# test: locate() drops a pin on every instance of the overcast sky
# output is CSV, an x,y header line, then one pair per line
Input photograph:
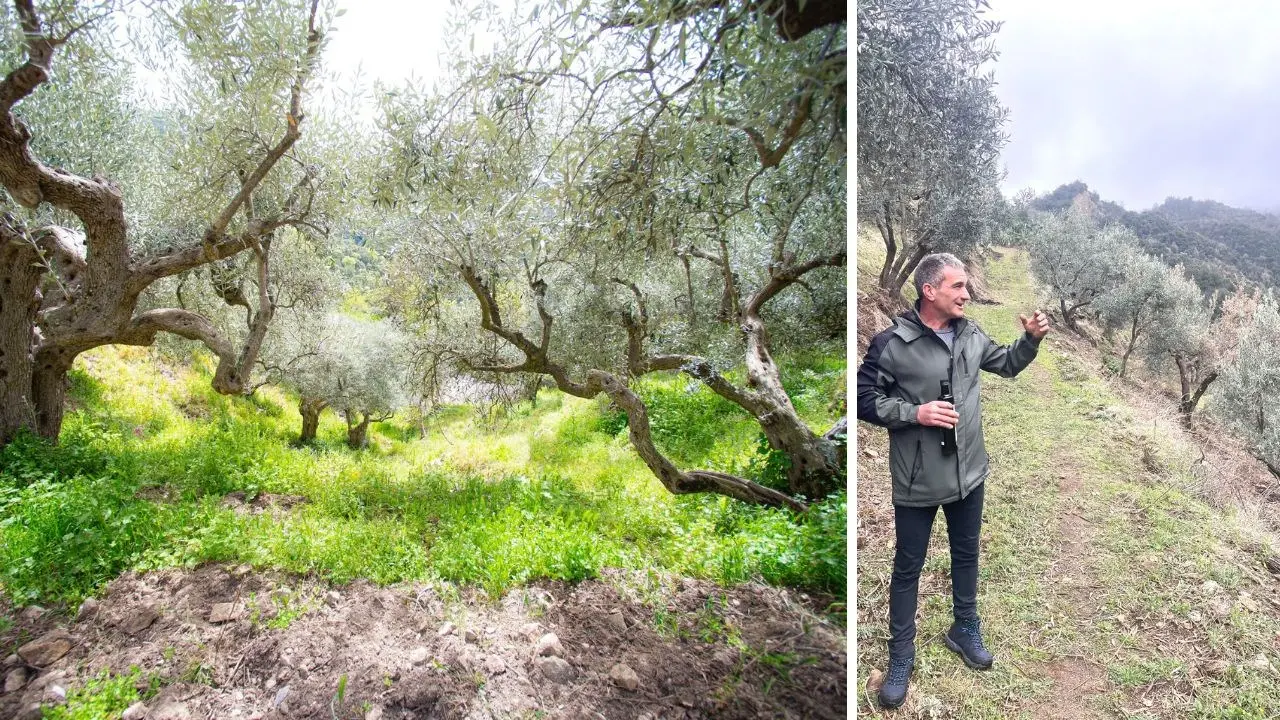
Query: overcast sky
x,y
1143,99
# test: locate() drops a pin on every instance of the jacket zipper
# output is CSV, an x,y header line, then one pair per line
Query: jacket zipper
x,y
955,394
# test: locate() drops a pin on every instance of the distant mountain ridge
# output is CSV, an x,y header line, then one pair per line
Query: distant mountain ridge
x,y
1218,244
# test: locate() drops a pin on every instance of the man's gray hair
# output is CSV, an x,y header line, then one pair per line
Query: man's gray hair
x,y
929,271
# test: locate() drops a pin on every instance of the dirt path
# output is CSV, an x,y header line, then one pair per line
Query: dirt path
x,y
229,643
1074,587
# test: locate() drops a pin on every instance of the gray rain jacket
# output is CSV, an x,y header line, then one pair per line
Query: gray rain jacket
x,y
902,370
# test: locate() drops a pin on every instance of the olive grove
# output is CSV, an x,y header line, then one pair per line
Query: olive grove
x,y
634,190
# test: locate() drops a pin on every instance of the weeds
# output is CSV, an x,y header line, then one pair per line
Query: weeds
x,y
551,494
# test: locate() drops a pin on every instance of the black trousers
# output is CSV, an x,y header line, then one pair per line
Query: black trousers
x,y
912,526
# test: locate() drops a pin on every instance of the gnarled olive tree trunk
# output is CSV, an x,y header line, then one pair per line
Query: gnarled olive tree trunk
x,y
310,409
63,292
357,429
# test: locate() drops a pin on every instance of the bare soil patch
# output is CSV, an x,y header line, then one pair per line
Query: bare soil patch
x,y
234,643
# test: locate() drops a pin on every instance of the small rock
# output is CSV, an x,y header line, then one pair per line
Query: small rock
x,y
1220,606
418,656
549,645
334,597
556,669
871,453
88,609
136,711
12,659
725,657
31,711
494,665
616,622
529,631
1246,600
281,695
1260,662
222,612
1210,587
169,709
55,694
469,635
46,649
624,677
445,629
31,613
138,621
1195,616
875,679
373,713
15,680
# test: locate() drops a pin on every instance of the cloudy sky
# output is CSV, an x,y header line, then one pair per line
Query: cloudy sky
x,y
1143,99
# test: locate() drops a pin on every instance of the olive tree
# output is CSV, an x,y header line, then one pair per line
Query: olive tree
x,y
633,190
332,360
1146,302
96,213
1078,261
1201,336
929,129
1249,385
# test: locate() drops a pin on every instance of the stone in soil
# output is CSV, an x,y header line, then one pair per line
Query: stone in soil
x,y
54,695
46,649
169,709
138,621
616,622
556,669
15,680
136,711
469,635
549,645
88,609
12,659
494,665
624,677
31,613
222,612
445,629
418,655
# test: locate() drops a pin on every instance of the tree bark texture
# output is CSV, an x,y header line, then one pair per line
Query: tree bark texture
x,y
310,409
357,430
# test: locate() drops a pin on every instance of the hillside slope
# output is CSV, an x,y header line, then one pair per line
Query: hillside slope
x,y
1216,243
230,574
1111,585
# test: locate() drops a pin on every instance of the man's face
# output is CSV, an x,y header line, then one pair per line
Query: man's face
x,y
948,298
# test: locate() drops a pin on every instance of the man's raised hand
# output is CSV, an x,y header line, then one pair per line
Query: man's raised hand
x,y
1037,326
937,414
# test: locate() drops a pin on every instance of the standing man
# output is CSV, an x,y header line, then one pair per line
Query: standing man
x,y
899,386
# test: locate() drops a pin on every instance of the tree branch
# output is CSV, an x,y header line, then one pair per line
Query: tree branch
x,y
787,277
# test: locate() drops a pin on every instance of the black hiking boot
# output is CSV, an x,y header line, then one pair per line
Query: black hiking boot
x,y
965,640
893,691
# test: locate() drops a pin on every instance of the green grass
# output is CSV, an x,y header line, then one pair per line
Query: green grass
x,y
103,696
149,451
